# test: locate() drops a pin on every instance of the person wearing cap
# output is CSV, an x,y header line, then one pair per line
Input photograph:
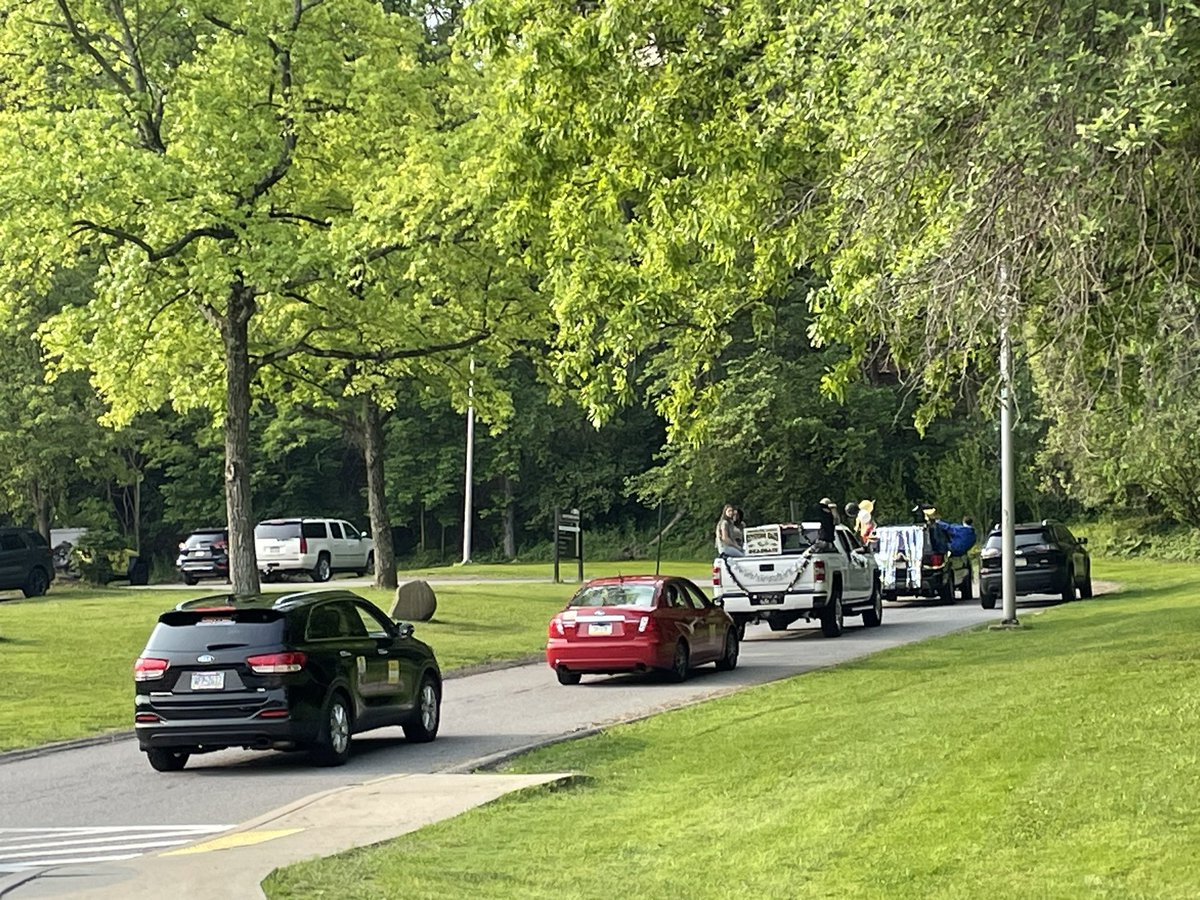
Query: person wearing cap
x,y
865,520
827,516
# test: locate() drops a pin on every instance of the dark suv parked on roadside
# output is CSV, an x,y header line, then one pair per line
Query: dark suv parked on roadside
x,y
26,562
1049,560
204,554
301,671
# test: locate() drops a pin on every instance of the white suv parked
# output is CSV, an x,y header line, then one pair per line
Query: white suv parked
x,y
317,547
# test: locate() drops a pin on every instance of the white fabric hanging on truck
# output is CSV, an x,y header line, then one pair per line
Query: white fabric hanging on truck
x,y
897,539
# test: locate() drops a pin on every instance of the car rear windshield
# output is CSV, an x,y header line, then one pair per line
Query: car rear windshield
x,y
1023,539
210,629
615,595
277,531
204,538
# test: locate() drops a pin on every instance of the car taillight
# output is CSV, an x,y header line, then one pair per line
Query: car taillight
x,y
716,576
647,625
935,560
303,544
556,627
220,545
276,663
818,570
147,668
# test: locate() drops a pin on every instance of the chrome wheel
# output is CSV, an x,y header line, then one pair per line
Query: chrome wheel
x,y
339,728
422,725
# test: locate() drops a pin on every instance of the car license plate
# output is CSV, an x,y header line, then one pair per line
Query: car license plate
x,y
769,599
600,628
1021,561
208,681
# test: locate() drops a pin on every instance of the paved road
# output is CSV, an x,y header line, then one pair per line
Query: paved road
x,y
484,714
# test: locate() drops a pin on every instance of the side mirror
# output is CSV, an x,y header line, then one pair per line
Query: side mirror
x,y
404,629
1083,542
719,602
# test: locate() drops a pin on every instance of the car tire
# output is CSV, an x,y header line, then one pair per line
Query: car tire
x,y
423,726
987,599
1085,589
333,740
873,614
322,571
740,624
167,760
370,568
566,676
37,583
680,663
729,658
1068,591
190,580
833,620
966,590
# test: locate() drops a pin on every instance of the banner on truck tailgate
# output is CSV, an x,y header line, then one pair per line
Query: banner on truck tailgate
x,y
763,540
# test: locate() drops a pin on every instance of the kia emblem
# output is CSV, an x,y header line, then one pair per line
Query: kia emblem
x,y
206,658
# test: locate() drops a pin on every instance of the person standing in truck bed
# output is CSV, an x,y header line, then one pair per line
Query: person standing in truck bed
x,y
728,535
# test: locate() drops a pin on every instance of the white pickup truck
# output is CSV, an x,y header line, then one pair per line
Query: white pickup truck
x,y
788,573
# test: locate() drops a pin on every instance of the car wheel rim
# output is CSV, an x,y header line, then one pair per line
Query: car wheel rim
x,y
339,728
429,707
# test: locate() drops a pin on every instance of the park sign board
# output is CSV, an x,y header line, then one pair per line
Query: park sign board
x,y
568,539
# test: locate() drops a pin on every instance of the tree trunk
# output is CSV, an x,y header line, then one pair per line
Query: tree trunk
x,y
422,526
381,525
510,516
243,565
137,513
41,510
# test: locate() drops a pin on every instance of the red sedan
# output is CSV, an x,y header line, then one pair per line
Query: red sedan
x,y
639,623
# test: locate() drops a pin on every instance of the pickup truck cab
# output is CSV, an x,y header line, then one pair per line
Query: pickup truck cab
x,y
789,573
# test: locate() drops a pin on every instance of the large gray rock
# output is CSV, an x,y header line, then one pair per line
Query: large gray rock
x,y
415,602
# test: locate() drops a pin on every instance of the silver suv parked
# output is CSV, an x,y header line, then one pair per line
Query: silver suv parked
x,y
312,546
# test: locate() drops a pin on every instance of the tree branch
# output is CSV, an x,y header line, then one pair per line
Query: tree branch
x,y
217,232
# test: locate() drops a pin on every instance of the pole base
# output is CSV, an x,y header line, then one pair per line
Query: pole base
x,y
1006,625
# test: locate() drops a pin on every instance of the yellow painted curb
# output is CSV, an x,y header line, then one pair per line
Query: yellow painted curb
x,y
231,841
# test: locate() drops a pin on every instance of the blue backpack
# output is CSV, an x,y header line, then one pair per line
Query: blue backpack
x,y
962,538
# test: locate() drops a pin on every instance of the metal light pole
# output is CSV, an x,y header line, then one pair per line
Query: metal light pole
x,y
1008,571
467,491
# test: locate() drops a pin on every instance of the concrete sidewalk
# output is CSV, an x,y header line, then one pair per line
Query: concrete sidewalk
x,y
233,864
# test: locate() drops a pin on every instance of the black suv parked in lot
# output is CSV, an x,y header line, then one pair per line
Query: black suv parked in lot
x,y
1049,560
26,562
290,672
204,554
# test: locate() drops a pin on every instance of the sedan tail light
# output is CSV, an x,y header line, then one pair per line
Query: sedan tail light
x,y
147,668
647,625
276,663
556,627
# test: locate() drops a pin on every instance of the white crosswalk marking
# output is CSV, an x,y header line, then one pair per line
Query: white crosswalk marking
x,y
26,848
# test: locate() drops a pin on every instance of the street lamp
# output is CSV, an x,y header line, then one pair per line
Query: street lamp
x,y
470,478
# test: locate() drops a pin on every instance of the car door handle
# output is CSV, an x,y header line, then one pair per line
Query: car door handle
x,y
381,651
345,653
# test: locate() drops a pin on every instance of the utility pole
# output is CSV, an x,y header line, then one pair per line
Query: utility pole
x,y
467,491
1008,570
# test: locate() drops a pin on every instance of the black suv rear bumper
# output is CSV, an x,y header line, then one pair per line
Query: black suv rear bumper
x,y
218,734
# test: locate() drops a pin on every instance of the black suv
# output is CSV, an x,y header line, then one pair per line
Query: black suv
x,y
26,562
1049,560
204,554
290,672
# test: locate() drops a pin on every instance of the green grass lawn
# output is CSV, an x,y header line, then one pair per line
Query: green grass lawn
x,y
1056,761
